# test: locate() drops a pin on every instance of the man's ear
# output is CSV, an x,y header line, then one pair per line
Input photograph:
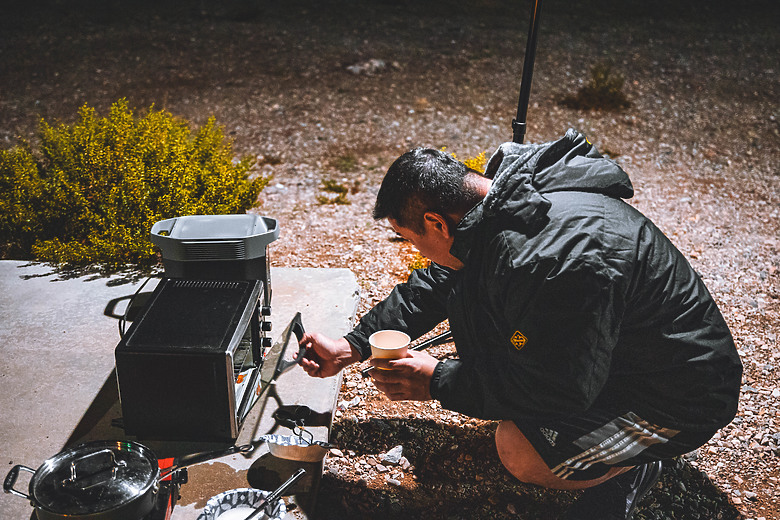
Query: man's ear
x,y
437,223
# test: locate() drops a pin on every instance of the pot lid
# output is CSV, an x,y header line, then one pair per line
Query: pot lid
x,y
94,477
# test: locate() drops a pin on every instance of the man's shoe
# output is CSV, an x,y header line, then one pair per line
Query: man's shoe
x,y
618,497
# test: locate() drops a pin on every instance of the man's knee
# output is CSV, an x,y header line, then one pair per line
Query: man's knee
x,y
517,454
522,460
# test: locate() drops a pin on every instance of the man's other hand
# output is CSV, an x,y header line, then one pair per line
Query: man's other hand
x,y
326,357
409,378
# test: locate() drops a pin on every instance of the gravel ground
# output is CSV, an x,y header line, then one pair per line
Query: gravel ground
x,y
294,85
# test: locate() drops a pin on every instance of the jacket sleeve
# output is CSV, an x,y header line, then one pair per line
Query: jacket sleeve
x,y
551,353
414,307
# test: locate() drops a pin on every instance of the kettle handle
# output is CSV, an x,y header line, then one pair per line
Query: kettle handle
x,y
10,480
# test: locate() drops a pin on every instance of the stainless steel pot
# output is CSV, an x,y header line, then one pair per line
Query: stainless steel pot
x,y
102,480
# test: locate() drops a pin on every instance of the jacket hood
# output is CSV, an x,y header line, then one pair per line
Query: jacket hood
x,y
523,173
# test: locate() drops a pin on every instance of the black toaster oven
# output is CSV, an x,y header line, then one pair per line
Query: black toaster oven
x,y
188,367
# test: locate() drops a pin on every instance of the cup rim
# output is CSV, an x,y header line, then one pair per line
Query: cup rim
x,y
408,339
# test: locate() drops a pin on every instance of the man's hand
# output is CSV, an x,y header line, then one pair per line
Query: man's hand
x,y
409,379
326,357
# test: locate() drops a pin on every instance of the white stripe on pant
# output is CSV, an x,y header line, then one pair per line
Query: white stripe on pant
x,y
616,441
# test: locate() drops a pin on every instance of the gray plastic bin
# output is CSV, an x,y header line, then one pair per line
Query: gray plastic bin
x,y
216,247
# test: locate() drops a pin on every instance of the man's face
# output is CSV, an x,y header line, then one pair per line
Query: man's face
x,y
434,243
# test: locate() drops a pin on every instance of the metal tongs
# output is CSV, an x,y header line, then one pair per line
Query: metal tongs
x,y
442,338
261,506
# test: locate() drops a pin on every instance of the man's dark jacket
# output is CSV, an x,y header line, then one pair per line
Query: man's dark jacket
x,y
569,298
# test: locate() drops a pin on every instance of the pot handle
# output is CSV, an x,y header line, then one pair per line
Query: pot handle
x,y
196,458
107,467
10,480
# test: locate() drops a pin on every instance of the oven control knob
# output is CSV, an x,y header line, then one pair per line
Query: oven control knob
x,y
265,326
266,342
265,310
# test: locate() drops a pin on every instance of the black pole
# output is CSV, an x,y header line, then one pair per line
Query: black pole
x,y
518,124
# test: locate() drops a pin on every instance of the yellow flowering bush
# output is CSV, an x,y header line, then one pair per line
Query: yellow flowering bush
x,y
477,163
418,261
92,192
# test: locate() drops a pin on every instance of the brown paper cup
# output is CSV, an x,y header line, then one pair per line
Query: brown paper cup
x,y
389,344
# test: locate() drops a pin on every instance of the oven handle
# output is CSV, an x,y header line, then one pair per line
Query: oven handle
x,y
297,328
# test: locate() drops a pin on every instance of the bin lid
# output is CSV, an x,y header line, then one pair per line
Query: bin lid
x,y
214,237
210,227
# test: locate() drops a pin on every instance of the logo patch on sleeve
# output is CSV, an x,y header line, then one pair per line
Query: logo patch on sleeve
x,y
518,340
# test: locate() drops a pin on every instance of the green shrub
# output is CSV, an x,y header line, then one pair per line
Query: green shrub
x,y
92,192
334,187
345,163
604,91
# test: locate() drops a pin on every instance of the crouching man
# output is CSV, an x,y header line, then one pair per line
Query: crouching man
x,y
578,325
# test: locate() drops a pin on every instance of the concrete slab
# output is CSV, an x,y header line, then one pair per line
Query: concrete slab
x,y
57,381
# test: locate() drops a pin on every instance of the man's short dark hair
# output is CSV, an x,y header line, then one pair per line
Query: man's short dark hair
x,y
424,180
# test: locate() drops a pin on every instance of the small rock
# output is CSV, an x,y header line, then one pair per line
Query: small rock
x,y
336,452
393,482
382,468
511,509
369,68
352,403
380,424
393,456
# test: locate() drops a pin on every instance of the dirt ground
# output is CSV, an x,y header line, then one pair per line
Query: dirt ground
x,y
295,86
